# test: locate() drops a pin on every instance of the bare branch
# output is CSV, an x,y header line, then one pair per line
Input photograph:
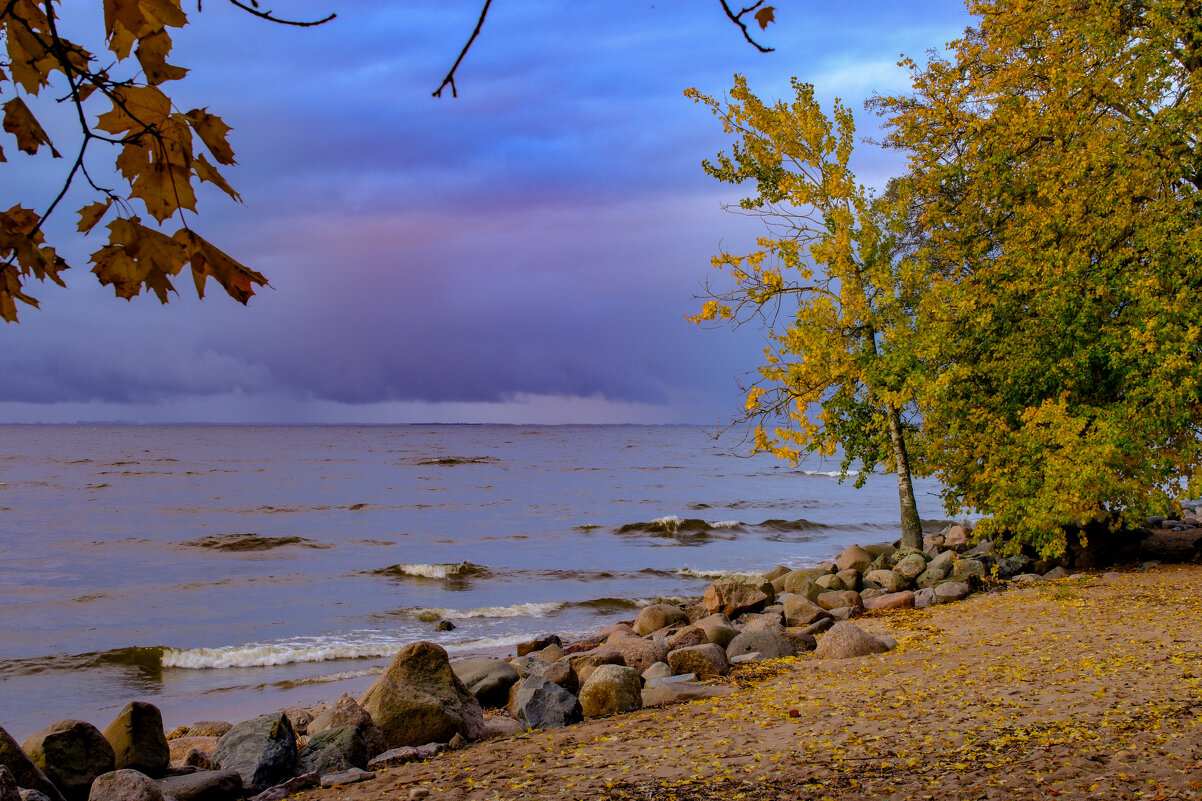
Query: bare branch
x,y
253,8
737,19
449,80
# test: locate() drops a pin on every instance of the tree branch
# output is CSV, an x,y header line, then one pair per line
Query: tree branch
x,y
253,8
737,19
449,80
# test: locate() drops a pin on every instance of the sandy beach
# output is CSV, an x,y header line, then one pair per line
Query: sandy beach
x,y
1078,688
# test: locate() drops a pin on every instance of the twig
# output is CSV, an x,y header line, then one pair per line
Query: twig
x,y
253,8
737,19
449,80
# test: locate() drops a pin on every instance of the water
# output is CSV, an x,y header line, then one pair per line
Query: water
x,y
224,571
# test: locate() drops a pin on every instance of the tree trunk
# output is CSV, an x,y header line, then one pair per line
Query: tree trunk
x,y
911,525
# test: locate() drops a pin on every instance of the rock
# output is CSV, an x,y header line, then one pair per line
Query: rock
x,y
830,582
681,691
550,654
24,771
981,549
801,640
583,644
931,577
767,643
970,571
394,757
957,536
614,628
487,679
138,741
671,679
180,746
689,635
846,612
584,664
764,622
502,726
1056,573
706,661
444,625
178,731
925,597
346,712
1027,578
780,571
352,776
750,656
333,750
299,718
541,705
638,653
262,750
205,785
8,786
880,549
71,754
800,611
850,579
818,626
871,592
35,795
854,558
538,644
418,699
734,595
126,784
893,600
717,628
659,616
294,785
660,670
890,580
933,541
943,561
210,728
846,640
1011,566
911,566
901,553
794,581
950,591
834,600
195,758
611,690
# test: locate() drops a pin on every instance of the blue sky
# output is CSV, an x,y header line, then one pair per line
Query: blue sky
x,y
524,253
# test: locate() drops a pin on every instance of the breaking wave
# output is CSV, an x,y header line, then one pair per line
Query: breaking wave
x,y
251,542
443,570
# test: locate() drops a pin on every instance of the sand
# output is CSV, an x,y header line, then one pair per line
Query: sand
x,y
1076,689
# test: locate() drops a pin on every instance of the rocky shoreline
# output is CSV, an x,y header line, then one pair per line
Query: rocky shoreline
x,y
424,704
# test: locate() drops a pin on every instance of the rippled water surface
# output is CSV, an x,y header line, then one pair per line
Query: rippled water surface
x,y
221,571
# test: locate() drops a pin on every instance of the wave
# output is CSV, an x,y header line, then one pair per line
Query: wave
x,y
251,542
451,461
433,571
828,473
431,614
145,659
673,526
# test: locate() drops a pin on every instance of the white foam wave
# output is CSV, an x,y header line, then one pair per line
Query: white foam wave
x,y
828,473
430,614
689,572
725,524
671,522
285,652
436,571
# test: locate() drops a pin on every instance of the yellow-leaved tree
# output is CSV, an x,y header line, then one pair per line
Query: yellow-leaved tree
x,y
1057,165
835,281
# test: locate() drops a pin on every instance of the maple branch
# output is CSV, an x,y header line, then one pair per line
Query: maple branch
x,y
449,80
253,8
737,19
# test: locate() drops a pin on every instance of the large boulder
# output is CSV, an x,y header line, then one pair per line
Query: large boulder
x,y
487,679
793,582
689,635
205,785
957,537
705,661
334,750
734,595
678,692
854,558
138,741
890,580
911,565
931,577
262,750
845,640
611,690
767,644
717,629
831,582
637,652
27,774
419,700
72,754
801,611
584,663
9,791
182,746
892,600
950,591
125,785
838,599
541,704
347,712
659,616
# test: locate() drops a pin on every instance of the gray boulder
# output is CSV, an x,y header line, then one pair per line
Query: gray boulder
x,y
205,785
768,644
925,597
678,692
893,600
138,741
660,670
763,622
125,785
9,791
717,628
637,652
487,679
944,561
951,591
931,577
333,750
890,580
836,599
793,582
542,705
969,571
262,750
689,635
285,789
706,661
911,566
1010,566
584,663
800,611
831,582
347,712
611,690
352,776
502,726
71,753
33,795
735,595
801,639
212,728
659,616
854,558
27,774
846,640
419,700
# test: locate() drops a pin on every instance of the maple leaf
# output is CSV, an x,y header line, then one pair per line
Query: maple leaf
x,y
138,256
152,55
207,172
135,108
90,215
765,15
237,280
20,122
212,130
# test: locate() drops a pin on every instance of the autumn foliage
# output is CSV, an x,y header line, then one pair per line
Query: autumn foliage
x,y
161,152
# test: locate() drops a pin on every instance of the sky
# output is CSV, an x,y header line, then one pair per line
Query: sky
x,y
524,253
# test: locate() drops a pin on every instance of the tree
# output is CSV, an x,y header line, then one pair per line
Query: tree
x,y
158,146
1057,164
839,368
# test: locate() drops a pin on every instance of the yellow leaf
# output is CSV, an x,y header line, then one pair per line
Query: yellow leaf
x,y
20,122
152,55
236,279
207,172
135,108
212,130
90,215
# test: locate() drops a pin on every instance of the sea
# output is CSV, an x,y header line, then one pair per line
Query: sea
x,y
222,572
